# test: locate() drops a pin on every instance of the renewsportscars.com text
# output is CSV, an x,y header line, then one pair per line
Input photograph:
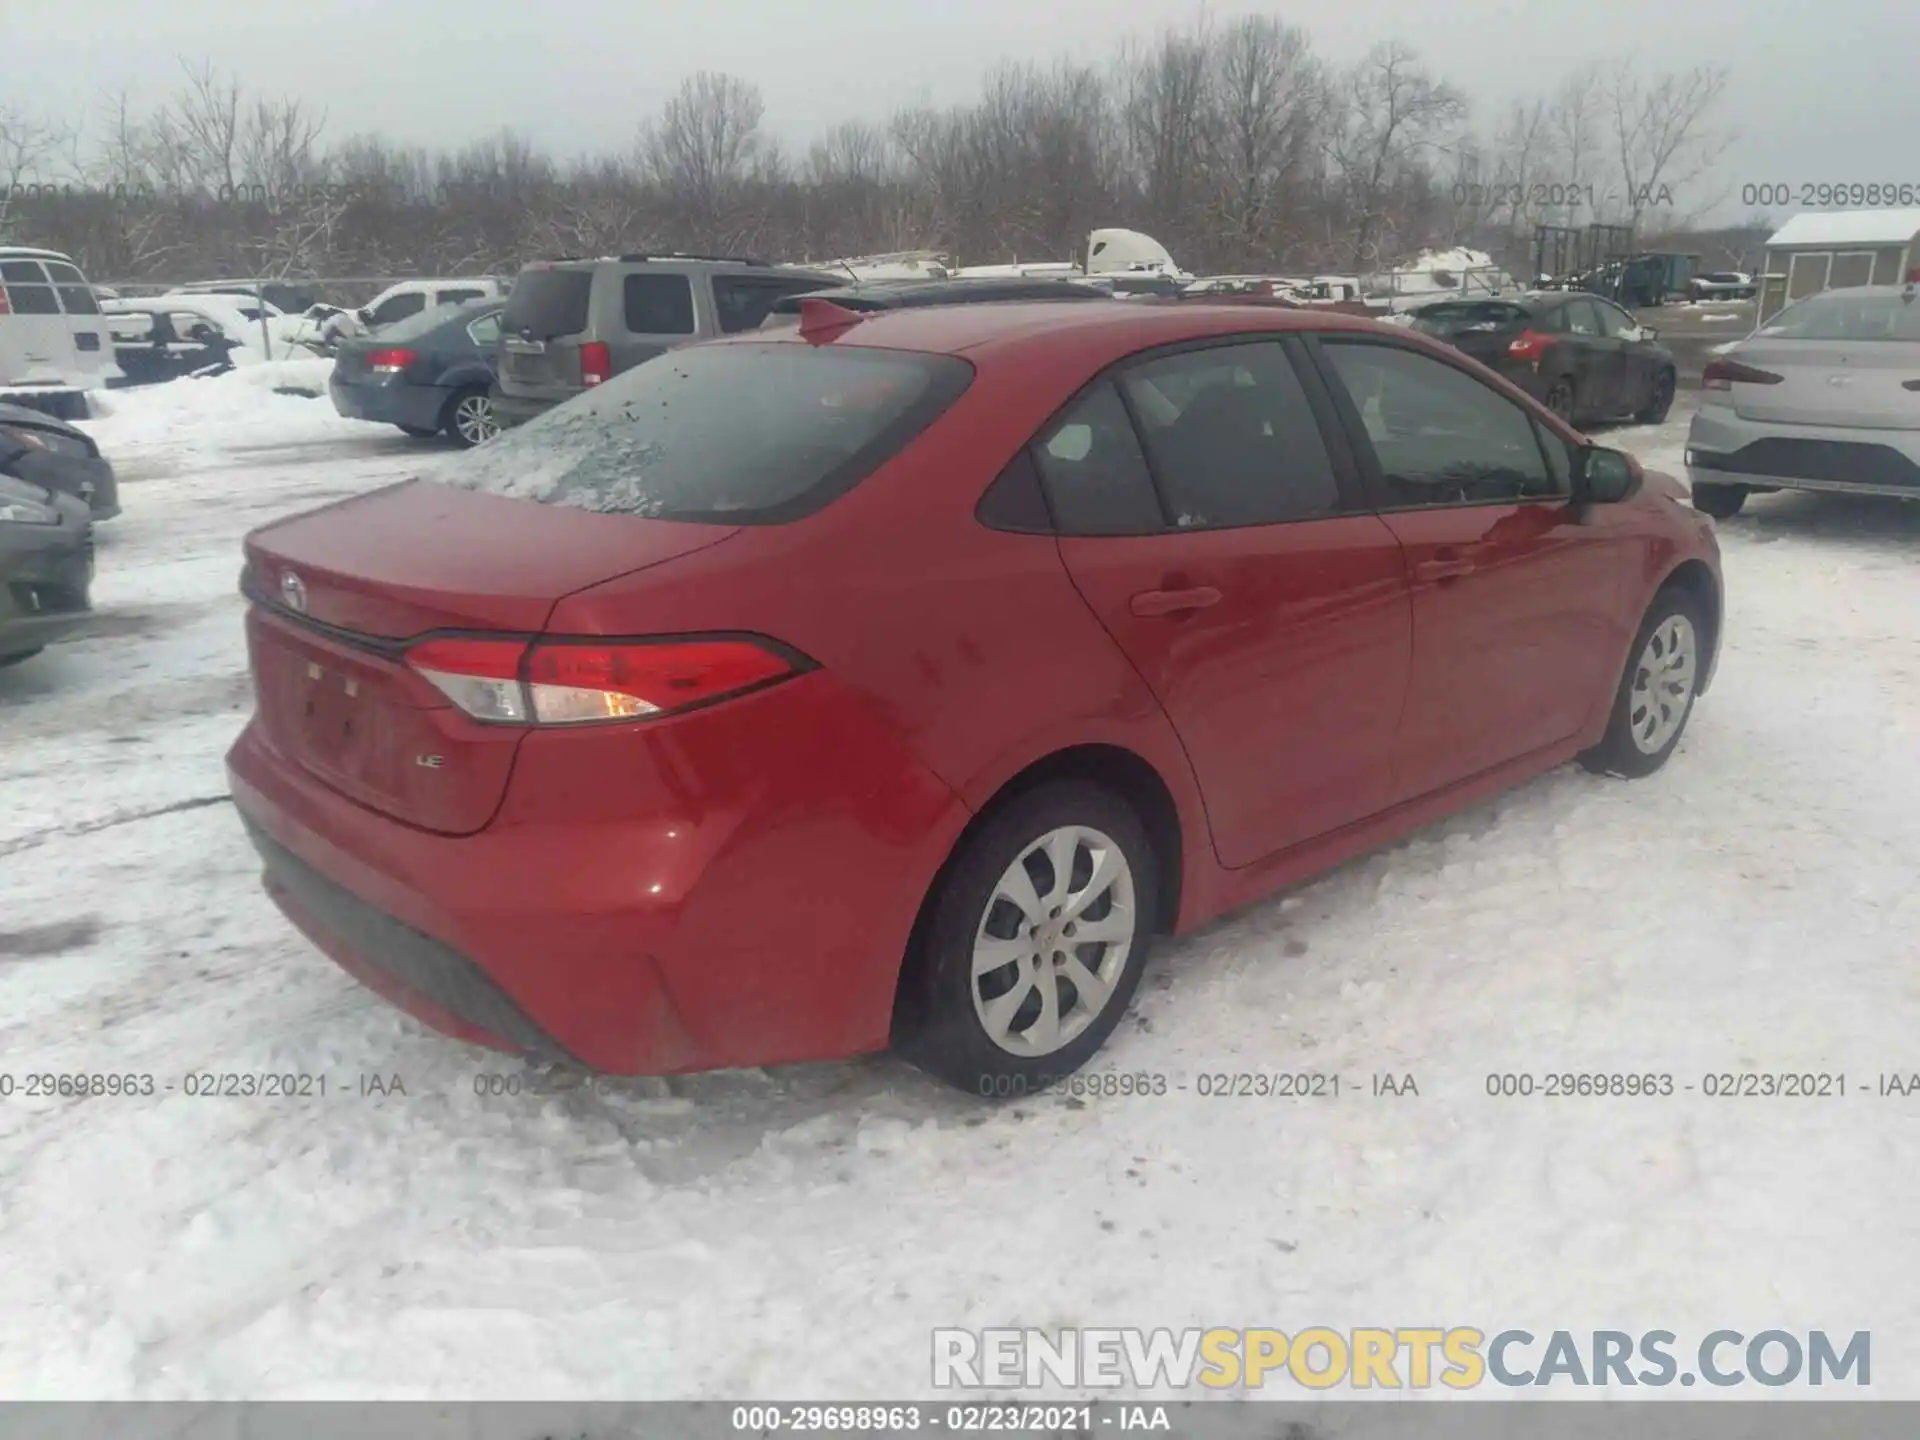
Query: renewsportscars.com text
x,y
1413,1358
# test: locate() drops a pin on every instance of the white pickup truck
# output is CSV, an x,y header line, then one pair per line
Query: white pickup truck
x,y
54,345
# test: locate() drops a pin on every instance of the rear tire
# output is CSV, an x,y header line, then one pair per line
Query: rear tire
x,y
470,420
1655,698
1021,972
1660,402
1722,502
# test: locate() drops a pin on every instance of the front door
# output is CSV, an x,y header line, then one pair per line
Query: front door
x,y
1231,557
1513,593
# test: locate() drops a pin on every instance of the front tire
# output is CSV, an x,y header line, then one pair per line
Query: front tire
x,y
1722,502
1655,699
1034,943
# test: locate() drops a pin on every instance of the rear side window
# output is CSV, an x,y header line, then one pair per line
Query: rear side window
x,y
546,303
739,434
1232,438
457,297
658,304
1096,479
28,291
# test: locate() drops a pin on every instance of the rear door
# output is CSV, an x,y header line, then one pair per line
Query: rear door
x,y
36,342
1226,547
541,330
1513,596
92,341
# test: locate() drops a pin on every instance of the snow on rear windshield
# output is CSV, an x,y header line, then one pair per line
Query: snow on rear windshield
x,y
730,433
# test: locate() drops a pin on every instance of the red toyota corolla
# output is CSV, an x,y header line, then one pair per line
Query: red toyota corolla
x,y
894,680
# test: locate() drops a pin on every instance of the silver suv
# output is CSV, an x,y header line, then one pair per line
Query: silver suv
x,y
572,324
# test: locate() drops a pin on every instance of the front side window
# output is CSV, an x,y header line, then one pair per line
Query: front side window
x,y
1231,437
1439,436
743,302
1615,323
1579,317
485,331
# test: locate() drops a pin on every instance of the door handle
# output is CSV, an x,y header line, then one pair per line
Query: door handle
x,y
1158,604
1445,564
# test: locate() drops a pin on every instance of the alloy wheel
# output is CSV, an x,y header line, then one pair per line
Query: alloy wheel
x,y
474,419
1053,941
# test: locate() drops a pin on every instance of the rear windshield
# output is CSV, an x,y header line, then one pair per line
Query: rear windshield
x,y
733,434
1466,318
546,303
1847,315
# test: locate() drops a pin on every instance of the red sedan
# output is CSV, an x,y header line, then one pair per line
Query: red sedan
x,y
894,680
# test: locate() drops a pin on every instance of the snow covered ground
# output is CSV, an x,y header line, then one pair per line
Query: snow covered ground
x,y
798,1233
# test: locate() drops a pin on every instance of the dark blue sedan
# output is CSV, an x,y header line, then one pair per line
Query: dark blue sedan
x,y
429,374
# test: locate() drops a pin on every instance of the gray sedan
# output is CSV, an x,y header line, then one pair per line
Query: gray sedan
x,y
52,454
1825,396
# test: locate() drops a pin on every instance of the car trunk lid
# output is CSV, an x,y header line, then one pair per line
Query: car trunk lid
x,y
1863,385
340,592
540,331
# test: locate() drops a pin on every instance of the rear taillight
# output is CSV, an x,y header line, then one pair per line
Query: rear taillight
x,y
391,362
574,682
1725,374
596,365
1527,345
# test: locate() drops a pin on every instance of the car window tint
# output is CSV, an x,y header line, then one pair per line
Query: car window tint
x,y
658,304
485,330
398,307
1095,475
1581,319
1439,436
1614,322
743,301
1231,437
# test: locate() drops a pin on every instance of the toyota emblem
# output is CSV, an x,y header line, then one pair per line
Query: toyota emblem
x,y
293,590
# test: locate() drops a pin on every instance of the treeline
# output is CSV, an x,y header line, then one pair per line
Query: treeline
x,y
1239,146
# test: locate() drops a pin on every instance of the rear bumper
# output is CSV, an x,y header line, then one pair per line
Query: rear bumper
x,y
1724,449
615,915
390,403
45,573
513,410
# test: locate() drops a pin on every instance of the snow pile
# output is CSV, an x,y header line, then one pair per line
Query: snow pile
x,y
216,415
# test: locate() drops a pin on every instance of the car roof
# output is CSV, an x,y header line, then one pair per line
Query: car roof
x,y
895,294
1115,330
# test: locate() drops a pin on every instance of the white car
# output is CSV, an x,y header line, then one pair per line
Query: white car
x,y
1825,396
410,297
53,344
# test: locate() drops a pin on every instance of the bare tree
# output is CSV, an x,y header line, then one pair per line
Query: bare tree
x,y
30,149
1269,101
706,145
1390,111
1165,111
1660,131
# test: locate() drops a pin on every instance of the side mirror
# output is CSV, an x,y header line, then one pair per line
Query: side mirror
x,y
1606,477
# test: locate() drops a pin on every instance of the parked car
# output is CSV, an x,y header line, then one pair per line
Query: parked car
x,y
53,346
46,562
573,324
1721,285
592,747
1825,396
407,299
156,340
1583,357
57,456
875,295
429,374
286,296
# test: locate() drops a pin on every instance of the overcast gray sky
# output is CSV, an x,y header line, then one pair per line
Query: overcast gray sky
x,y
1819,92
